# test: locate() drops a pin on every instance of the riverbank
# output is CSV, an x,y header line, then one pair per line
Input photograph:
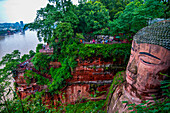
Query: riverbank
x,y
23,43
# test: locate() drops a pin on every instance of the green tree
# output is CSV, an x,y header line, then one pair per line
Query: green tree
x,y
45,22
27,56
39,46
114,6
48,17
31,104
62,33
93,17
9,63
167,9
136,16
41,62
152,9
72,18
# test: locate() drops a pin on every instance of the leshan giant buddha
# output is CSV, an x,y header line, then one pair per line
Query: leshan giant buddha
x,y
150,56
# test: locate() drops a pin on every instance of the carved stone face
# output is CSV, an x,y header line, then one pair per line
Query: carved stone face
x,y
144,67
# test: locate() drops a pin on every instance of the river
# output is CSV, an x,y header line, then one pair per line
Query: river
x,y
23,43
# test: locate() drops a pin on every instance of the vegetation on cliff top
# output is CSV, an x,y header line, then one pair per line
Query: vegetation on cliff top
x,y
95,17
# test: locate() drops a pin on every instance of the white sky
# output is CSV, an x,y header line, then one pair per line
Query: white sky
x,y
12,11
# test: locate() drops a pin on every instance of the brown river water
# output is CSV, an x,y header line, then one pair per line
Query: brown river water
x,y
23,43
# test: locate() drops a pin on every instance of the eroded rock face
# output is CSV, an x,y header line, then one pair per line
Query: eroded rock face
x,y
90,75
143,72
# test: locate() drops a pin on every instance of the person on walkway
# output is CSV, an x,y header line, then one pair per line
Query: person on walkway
x,y
106,41
81,41
103,41
93,41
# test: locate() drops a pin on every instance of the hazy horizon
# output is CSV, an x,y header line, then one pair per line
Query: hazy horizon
x,y
12,11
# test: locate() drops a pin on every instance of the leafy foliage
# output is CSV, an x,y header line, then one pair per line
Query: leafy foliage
x,y
64,31
28,75
87,107
48,17
97,16
114,51
93,17
41,62
27,56
9,63
31,104
114,6
136,16
39,46
72,18
66,56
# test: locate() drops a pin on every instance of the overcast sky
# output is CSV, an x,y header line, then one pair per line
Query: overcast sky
x,y
12,11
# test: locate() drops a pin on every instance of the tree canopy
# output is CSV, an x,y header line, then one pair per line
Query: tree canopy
x,y
48,17
114,6
93,17
105,17
41,62
136,15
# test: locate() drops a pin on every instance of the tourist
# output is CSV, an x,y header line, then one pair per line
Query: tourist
x,y
93,41
103,41
81,41
43,46
106,41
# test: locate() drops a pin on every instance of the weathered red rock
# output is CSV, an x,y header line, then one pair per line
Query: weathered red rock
x,y
91,75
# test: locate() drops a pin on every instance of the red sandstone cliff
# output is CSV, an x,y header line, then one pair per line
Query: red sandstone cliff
x,y
90,75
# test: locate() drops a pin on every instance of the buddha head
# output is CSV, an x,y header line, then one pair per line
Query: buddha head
x,y
149,60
